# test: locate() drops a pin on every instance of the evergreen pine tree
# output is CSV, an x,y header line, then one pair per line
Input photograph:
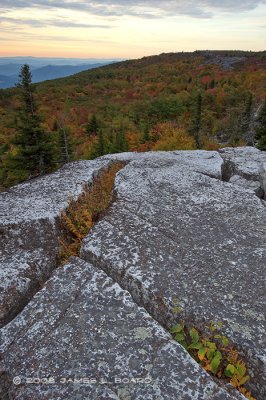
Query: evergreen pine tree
x,y
212,84
64,138
34,151
93,127
196,120
146,136
99,146
55,125
120,144
261,129
65,146
246,117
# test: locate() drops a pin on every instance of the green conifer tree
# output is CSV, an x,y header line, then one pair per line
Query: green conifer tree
x,y
65,142
120,142
212,84
145,136
34,150
247,114
93,127
261,129
65,148
196,122
99,146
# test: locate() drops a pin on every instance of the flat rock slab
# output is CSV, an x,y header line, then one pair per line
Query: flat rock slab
x,y
29,231
46,197
83,337
179,235
206,162
246,167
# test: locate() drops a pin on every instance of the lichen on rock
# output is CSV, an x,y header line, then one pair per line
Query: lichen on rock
x,y
184,239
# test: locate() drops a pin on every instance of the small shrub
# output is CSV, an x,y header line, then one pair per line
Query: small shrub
x,y
214,353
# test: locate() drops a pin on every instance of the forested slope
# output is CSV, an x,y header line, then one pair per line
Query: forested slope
x,y
166,102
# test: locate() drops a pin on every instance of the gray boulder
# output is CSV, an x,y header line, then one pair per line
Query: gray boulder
x,y
29,231
82,336
178,234
246,167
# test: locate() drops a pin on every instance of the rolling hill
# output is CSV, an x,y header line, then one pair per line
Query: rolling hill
x,y
206,99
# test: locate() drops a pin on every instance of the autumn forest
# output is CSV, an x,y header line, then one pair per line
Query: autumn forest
x,y
203,100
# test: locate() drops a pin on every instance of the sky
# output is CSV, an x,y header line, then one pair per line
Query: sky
x,y
128,28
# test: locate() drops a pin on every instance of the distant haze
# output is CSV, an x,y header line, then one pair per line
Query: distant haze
x,y
42,61
44,68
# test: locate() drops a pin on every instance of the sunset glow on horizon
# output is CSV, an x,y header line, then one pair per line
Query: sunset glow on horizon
x,y
128,29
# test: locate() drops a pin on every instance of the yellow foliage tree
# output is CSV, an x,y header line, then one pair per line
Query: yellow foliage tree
x,y
171,137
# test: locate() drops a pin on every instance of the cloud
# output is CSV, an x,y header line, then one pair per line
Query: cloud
x,y
31,22
51,22
26,36
140,8
70,24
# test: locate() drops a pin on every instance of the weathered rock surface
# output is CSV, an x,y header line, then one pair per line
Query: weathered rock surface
x,y
185,243
246,167
176,234
207,163
83,326
29,231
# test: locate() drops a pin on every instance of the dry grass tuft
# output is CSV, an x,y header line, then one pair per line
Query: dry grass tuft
x,y
82,214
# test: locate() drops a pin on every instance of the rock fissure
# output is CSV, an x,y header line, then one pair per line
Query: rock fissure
x,y
245,167
154,306
29,243
131,248
116,354
230,175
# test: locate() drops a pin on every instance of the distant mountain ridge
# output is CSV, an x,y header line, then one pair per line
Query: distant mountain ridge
x,y
44,68
38,62
60,71
6,81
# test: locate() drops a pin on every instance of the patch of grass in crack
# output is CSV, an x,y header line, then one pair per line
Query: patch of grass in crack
x,y
214,353
82,214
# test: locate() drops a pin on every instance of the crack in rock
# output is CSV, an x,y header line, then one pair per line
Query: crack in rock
x,y
204,220
113,357
30,230
245,167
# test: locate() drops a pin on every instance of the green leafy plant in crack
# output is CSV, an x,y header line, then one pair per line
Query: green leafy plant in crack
x,y
214,352
177,306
